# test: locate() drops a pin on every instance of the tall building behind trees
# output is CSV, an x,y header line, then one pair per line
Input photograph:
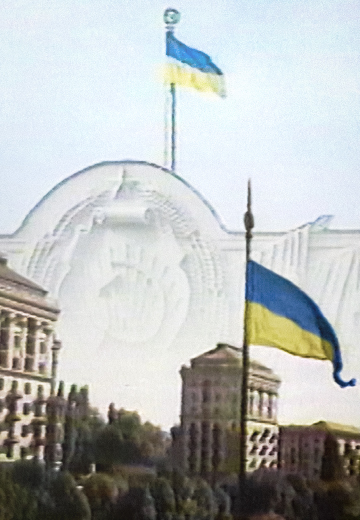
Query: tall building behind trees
x,y
28,359
207,441
304,449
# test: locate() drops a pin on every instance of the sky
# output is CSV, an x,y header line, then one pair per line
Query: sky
x,y
80,84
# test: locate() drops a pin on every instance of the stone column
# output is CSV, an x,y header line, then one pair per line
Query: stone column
x,y
4,339
55,413
206,447
22,322
251,401
12,417
218,447
37,345
270,413
10,337
56,346
32,345
38,424
192,448
45,348
256,405
273,401
265,405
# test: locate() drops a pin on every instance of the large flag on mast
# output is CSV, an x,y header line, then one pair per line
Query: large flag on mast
x,y
191,68
281,315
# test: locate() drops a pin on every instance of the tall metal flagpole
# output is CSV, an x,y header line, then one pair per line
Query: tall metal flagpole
x,y
249,224
173,126
171,18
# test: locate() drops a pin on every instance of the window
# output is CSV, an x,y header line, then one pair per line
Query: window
x,y
26,408
2,383
29,364
42,368
17,341
263,450
16,363
27,388
25,430
10,451
24,452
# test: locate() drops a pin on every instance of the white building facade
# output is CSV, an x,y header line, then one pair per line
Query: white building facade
x,y
28,357
302,448
207,442
147,276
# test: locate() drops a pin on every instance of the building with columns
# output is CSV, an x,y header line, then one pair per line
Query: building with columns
x,y
28,359
207,441
302,447
143,268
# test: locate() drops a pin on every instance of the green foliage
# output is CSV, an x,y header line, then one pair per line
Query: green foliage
x,y
164,496
127,441
129,424
203,495
80,432
110,448
184,489
16,503
100,490
83,455
29,474
69,503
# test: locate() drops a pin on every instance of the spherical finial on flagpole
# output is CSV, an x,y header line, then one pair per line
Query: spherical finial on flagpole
x,y
171,18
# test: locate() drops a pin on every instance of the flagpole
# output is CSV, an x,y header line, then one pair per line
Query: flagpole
x,y
249,224
171,18
173,126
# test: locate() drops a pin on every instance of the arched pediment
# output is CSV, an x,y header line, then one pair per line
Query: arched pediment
x,y
98,184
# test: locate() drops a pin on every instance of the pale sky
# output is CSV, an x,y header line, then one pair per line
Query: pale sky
x,y
80,85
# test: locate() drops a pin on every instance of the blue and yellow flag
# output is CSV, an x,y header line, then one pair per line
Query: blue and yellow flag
x,y
281,315
191,68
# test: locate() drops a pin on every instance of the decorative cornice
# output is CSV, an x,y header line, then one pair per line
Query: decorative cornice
x,y
23,304
25,375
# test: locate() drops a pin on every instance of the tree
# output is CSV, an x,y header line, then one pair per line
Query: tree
x,y
68,502
223,504
137,504
164,497
110,448
184,492
203,495
16,502
29,474
332,467
101,492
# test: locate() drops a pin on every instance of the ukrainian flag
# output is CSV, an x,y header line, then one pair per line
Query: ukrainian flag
x,y
191,68
281,315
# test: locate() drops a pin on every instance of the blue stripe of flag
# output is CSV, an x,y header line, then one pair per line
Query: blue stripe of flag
x,y
184,54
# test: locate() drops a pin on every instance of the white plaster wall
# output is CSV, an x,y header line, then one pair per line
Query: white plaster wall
x,y
148,277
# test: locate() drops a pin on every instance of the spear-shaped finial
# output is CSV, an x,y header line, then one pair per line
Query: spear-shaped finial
x,y
249,217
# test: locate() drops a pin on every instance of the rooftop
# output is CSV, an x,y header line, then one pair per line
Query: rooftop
x,y
17,288
327,426
12,276
225,354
